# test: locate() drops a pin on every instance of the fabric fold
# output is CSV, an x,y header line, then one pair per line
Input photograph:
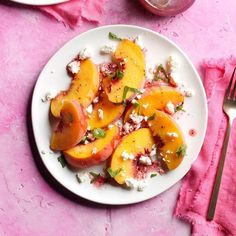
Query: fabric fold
x,y
196,189
73,12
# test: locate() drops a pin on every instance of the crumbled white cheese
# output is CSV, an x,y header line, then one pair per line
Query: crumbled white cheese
x,y
142,90
135,184
127,127
84,54
170,108
47,97
137,119
172,134
146,118
145,106
89,109
142,185
145,160
88,128
100,114
125,155
110,126
188,93
119,123
96,100
94,150
153,151
134,101
108,48
172,64
74,67
138,96
139,42
86,142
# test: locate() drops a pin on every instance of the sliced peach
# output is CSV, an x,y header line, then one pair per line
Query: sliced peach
x,y
156,98
71,127
169,139
134,143
133,75
83,87
110,112
83,156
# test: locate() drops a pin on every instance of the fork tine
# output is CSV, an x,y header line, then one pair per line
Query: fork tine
x,y
227,94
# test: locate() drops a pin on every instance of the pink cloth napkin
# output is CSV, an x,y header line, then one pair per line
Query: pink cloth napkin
x,y
197,186
75,11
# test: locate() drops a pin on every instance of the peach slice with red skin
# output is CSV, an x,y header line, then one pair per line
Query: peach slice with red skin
x,y
133,75
169,136
111,112
71,127
83,156
83,87
156,98
134,143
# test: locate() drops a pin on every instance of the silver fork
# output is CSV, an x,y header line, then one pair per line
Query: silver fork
x,y
229,108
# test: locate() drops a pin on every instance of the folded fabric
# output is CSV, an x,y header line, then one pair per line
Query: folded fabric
x,y
75,11
196,189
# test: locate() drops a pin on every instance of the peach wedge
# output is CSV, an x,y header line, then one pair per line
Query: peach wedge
x,y
83,87
134,143
110,113
169,139
93,153
134,72
71,127
156,98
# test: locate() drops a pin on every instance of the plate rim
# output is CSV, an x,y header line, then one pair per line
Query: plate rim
x,y
41,3
205,108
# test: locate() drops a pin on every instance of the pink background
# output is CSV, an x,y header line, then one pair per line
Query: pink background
x,y
30,205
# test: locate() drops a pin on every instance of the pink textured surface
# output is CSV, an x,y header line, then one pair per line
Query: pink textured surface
x,y
197,185
28,38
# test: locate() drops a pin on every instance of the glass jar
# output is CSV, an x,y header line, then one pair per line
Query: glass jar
x,y
166,7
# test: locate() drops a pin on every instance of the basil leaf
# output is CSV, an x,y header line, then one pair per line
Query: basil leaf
x,y
95,176
180,108
161,69
99,133
62,160
181,151
84,139
126,90
119,74
114,36
152,117
113,173
153,175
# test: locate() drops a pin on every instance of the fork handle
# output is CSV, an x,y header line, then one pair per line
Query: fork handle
x,y
215,191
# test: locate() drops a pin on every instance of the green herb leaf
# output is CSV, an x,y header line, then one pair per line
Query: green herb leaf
x,y
78,179
126,90
62,160
161,69
181,151
180,108
152,117
84,139
95,176
119,74
99,133
153,175
113,36
113,173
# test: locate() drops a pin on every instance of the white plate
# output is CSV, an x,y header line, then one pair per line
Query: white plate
x,y
54,78
39,2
